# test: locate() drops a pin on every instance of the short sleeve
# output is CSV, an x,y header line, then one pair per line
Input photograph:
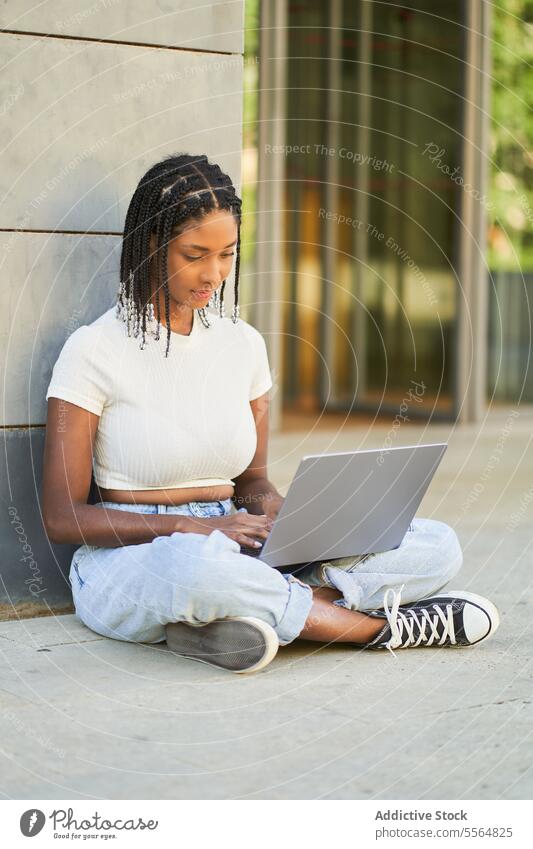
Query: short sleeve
x,y
79,374
261,377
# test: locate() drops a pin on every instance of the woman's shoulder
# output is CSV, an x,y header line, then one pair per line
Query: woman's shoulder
x,y
83,372
106,325
94,339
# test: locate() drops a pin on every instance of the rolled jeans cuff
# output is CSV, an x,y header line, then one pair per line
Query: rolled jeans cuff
x,y
296,612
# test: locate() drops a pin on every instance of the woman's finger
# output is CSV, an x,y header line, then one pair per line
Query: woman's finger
x,y
248,542
259,522
260,533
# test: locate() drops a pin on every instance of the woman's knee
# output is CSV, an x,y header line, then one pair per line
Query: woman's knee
x,y
447,554
240,587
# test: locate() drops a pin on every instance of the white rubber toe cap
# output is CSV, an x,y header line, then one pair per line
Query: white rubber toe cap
x,y
480,616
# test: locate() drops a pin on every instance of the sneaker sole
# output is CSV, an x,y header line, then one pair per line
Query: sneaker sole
x,y
480,601
241,644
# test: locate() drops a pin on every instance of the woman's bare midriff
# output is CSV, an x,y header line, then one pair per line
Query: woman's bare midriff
x,y
171,497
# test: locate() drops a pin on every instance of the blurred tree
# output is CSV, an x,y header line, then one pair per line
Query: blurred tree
x,y
511,175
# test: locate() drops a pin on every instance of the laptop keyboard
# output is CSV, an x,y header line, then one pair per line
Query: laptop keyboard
x,y
255,552
251,552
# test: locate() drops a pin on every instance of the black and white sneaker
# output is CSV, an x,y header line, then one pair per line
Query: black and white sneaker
x,y
452,618
239,644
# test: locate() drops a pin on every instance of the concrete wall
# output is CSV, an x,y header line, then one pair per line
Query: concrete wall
x,y
91,95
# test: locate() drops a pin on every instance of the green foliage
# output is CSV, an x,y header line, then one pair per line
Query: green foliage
x,y
511,141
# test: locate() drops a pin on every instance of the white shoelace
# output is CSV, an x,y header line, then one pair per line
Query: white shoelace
x,y
403,626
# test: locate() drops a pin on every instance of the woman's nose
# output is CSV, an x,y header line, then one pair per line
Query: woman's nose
x,y
211,273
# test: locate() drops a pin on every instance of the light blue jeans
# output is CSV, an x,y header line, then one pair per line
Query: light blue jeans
x,y
131,592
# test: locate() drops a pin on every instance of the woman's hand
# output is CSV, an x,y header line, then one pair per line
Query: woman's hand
x,y
272,505
245,528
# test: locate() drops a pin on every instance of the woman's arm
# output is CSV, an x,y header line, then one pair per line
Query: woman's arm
x,y
253,490
67,471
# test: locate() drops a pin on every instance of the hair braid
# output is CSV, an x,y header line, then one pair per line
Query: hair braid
x,y
167,229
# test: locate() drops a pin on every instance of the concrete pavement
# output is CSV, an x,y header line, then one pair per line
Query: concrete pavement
x,y
86,717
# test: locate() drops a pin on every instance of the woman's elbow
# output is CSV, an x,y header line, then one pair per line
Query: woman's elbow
x,y
53,532
56,527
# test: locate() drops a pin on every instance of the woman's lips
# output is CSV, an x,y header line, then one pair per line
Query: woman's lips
x,y
201,294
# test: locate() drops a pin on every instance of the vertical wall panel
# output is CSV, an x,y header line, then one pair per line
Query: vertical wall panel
x,y
80,121
217,25
85,120
57,282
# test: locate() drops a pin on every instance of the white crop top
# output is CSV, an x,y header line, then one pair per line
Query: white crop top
x,y
166,422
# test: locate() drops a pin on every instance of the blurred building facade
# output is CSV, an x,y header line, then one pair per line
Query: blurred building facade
x,y
372,206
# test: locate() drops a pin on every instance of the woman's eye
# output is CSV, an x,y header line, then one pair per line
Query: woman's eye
x,y
192,258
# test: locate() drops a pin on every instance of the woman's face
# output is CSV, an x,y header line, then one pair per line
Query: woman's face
x,y
200,259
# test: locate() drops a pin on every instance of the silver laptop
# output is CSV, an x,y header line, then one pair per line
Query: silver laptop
x,y
349,503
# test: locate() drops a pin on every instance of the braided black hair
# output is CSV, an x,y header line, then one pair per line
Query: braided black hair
x,y
173,192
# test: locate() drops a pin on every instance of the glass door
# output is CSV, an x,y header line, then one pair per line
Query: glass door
x,y
374,137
